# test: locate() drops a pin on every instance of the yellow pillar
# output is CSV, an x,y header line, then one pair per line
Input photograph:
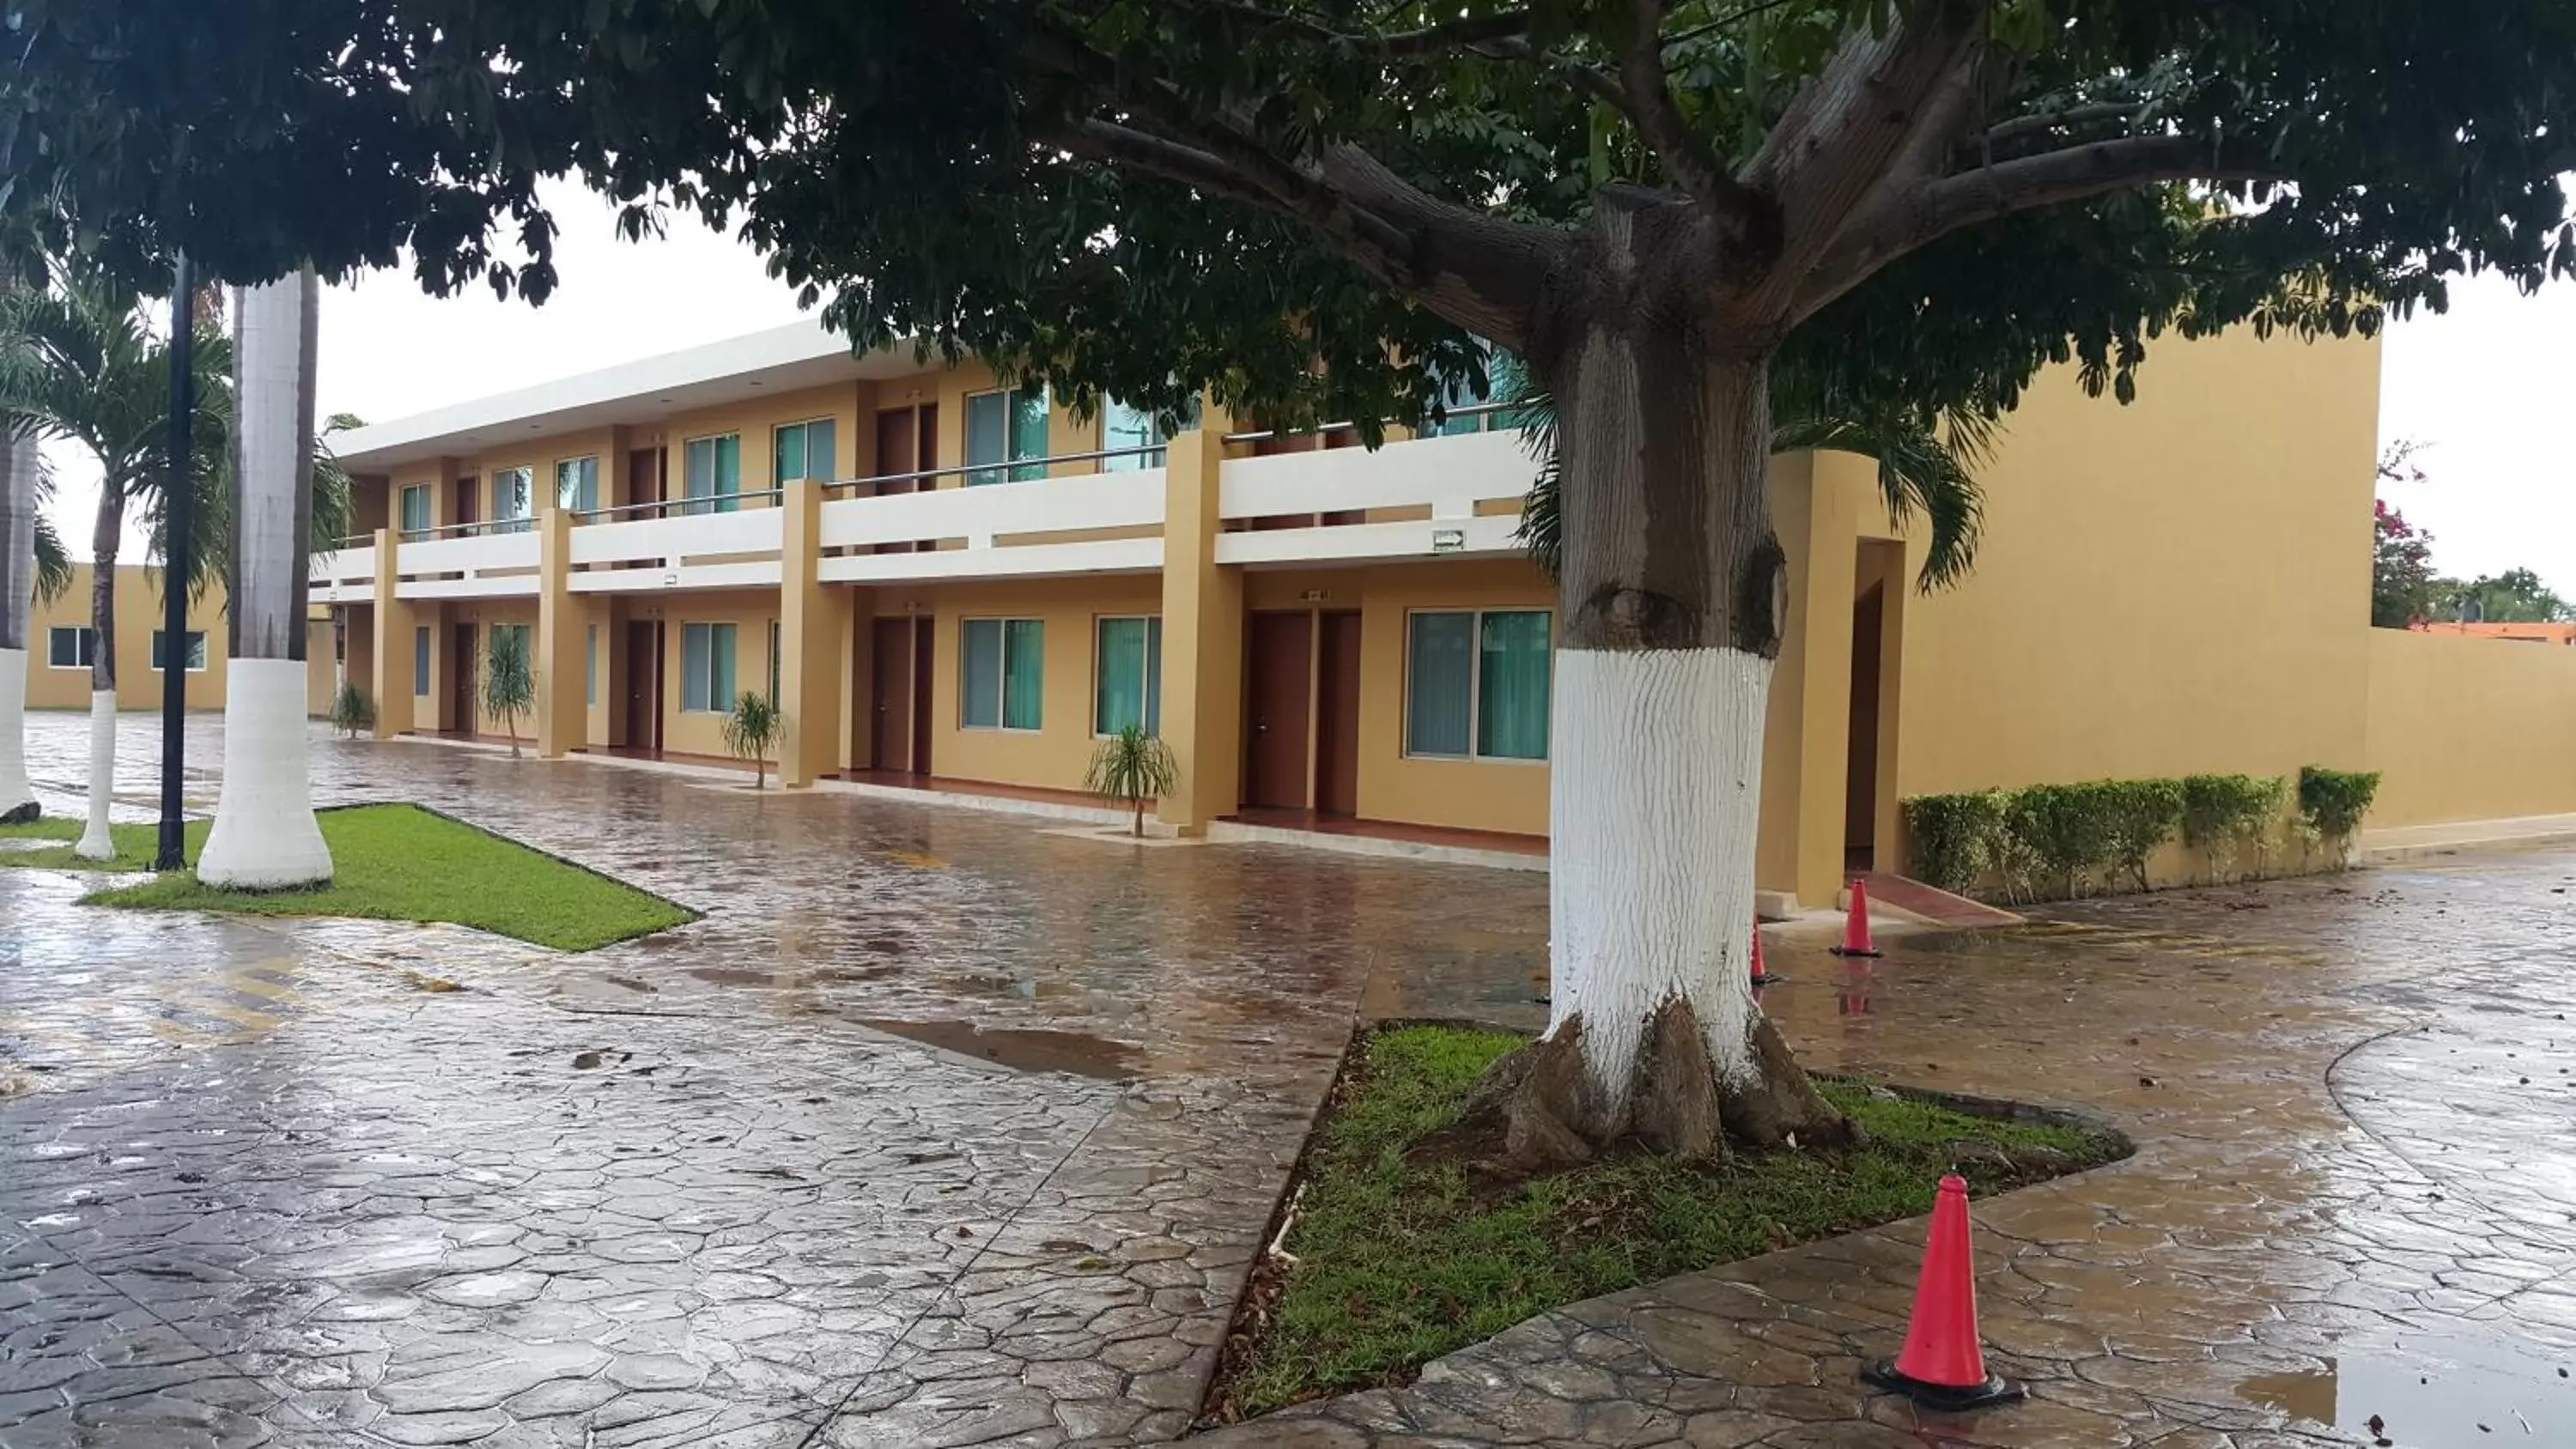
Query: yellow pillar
x,y
1816,509
563,714
1202,639
391,680
810,642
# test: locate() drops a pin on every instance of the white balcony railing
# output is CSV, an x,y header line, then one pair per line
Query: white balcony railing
x,y
344,575
1455,495
692,551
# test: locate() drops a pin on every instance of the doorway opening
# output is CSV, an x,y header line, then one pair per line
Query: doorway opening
x,y
1279,671
1869,779
899,675
644,687
460,680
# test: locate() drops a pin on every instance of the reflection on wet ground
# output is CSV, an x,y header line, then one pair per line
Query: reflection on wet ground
x,y
939,1130
2354,1195
935,1130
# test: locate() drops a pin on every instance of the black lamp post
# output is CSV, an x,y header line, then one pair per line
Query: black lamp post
x,y
178,547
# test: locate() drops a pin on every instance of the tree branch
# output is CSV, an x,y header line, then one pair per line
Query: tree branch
x,y
1465,32
1919,215
1383,248
1599,86
1867,113
1658,118
2005,132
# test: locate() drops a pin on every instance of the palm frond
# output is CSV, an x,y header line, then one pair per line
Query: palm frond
x,y
53,562
1926,468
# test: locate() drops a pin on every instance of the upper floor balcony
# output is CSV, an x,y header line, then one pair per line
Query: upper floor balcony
x,y
1100,511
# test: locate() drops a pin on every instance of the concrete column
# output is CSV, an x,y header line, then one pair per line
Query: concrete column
x,y
391,679
855,743
1816,508
1202,638
563,716
811,620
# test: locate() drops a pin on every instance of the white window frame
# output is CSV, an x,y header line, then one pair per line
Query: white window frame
x,y
805,425
197,655
76,631
572,504
711,626
1475,686
1152,692
429,510
715,500
516,522
1011,468
1002,687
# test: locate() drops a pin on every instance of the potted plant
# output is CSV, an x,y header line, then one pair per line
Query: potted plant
x,y
750,731
1130,768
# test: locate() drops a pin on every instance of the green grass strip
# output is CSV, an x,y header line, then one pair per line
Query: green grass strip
x,y
390,862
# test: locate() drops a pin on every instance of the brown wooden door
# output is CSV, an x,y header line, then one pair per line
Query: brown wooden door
x,y
644,475
898,451
1337,715
469,500
924,640
890,696
1278,661
460,678
644,685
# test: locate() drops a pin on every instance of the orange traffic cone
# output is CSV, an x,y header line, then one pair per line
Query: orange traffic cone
x,y
1943,1365
1856,940
1761,977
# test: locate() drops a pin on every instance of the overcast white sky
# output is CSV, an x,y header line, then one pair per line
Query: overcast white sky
x,y
2484,387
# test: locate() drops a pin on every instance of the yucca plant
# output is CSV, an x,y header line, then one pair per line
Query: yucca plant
x,y
1130,768
751,730
352,713
509,680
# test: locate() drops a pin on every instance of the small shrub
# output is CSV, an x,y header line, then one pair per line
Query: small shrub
x,y
2139,817
509,679
751,730
352,713
1130,768
2066,827
2332,802
2223,814
1954,837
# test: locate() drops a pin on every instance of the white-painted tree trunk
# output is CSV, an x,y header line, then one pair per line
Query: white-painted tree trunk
x,y
17,796
95,842
1656,793
264,835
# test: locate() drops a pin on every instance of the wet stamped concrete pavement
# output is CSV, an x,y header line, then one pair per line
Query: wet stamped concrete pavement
x,y
940,1130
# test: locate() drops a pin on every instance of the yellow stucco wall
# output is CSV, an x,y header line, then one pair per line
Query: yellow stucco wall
x,y
1055,755
2464,728
2174,586
138,615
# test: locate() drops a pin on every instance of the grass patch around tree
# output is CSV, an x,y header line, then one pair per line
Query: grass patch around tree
x,y
1404,1250
135,844
396,863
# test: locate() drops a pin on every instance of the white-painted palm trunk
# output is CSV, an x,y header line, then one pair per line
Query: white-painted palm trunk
x,y
95,842
264,835
17,609
1655,807
17,795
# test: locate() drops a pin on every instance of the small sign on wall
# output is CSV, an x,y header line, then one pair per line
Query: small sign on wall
x,y
1448,540
671,579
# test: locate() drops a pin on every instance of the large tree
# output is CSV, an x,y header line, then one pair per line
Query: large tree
x,y
1316,207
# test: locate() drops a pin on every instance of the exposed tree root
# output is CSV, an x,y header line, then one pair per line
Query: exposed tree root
x,y
1552,1118
26,814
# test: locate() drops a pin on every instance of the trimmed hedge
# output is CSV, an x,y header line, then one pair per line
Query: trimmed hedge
x,y
2064,837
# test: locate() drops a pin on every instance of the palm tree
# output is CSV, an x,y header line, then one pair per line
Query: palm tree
x,y
265,836
750,731
509,680
79,362
1926,463
1130,768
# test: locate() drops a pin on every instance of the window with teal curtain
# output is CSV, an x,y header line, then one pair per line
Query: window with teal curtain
x,y
1512,685
711,472
1154,675
1023,674
706,668
420,661
514,501
415,509
979,671
1127,676
773,663
1440,683
804,450
1004,427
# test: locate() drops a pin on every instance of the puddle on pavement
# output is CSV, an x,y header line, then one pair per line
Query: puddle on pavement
x,y
1022,1049
2434,1392
789,980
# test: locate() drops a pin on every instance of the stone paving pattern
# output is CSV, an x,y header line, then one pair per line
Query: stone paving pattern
x,y
939,1130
